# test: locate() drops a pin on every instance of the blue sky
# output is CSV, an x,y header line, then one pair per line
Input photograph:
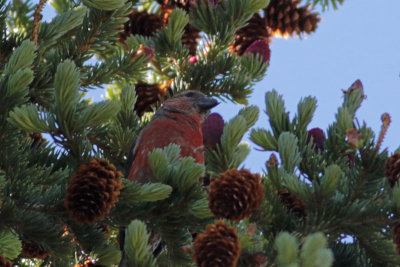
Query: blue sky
x,y
360,40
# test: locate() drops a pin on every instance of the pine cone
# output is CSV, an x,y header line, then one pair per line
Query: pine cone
x,y
235,194
292,202
393,169
189,38
212,128
256,29
33,250
218,246
284,17
4,262
148,97
396,236
141,23
318,137
260,47
93,191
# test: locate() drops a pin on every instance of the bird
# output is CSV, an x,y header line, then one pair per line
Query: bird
x,y
178,121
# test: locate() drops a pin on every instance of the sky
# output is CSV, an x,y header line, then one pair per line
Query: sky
x,y
360,40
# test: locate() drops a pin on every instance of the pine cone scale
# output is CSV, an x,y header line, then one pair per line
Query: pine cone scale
x,y
284,17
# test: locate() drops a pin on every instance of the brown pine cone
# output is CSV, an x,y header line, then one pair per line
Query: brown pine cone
x,y
235,195
284,18
4,262
292,202
255,29
93,191
141,23
148,97
33,250
396,236
190,37
218,246
393,169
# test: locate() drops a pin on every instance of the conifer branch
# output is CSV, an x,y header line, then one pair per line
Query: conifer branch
x,y
37,17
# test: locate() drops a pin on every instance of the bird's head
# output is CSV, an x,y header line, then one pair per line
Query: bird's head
x,y
190,102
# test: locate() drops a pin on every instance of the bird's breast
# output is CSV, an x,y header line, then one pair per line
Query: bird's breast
x,y
185,132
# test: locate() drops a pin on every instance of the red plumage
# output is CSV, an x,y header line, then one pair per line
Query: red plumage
x,y
178,121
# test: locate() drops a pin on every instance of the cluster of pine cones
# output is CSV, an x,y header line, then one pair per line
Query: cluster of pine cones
x,y
279,18
142,23
234,195
149,96
240,188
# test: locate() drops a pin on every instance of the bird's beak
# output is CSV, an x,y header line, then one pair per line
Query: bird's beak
x,y
207,103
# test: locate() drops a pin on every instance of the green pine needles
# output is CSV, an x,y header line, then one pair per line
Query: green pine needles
x,y
342,188
326,198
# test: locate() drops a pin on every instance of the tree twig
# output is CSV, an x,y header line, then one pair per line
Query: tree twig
x,y
37,16
385,125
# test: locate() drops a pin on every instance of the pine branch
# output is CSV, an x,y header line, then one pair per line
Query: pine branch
x,y
37,17
326,3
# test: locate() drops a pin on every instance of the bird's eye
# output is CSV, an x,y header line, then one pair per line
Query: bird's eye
x,y
190,94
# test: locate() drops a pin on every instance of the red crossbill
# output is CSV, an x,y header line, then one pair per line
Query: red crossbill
x,y
178,121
